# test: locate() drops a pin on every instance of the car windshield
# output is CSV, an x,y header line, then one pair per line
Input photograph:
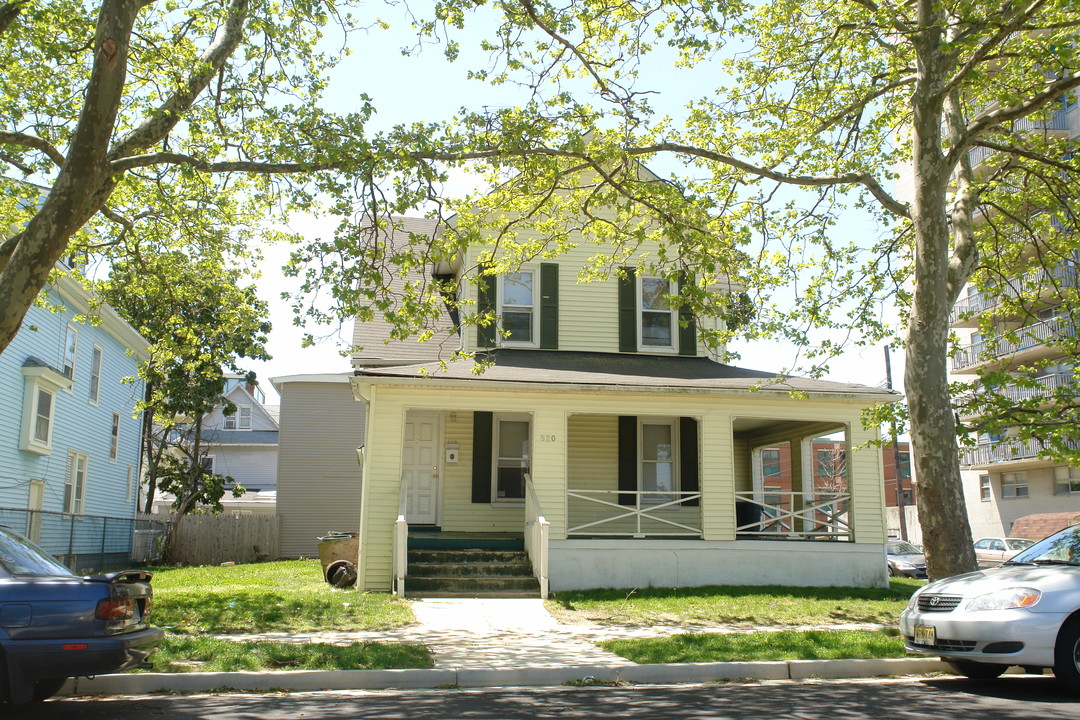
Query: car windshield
x,y
1061,547
21,557
903,548
1018,544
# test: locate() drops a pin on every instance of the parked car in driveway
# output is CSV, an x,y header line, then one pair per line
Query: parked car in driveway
x,y
1024,612
991,551
904,559
55,625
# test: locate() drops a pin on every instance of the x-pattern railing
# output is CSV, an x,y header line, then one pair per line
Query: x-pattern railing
x,y
798,514
646,507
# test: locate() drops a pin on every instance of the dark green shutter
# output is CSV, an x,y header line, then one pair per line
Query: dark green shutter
x,y
481,460
549,306
689,468
687,328
628,465
485,303
628,320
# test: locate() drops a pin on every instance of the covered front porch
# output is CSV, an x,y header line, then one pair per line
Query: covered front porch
x,y
613,497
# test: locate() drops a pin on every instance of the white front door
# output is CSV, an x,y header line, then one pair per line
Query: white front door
x,y
420,467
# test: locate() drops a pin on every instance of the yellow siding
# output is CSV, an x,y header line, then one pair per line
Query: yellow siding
x,y
459,512
586,444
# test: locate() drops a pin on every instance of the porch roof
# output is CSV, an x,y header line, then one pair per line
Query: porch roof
x,y
617,370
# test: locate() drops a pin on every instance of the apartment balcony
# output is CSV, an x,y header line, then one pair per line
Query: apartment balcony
x,y
1057,125
1037,285
1018,453
1047,384
1032,343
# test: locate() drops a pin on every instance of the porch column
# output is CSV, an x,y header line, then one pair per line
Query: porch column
x,y
548,467
380,495
717,478
802,476
866,483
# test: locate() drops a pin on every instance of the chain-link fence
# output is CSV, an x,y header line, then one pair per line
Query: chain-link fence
x,y
89,543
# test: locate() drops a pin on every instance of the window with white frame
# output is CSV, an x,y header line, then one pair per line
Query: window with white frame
x,y
75,483
517,307
95,375
656,318
71,346
984,488
1066,480
114,437
240,419
657,442
511,445
39,407
1014,485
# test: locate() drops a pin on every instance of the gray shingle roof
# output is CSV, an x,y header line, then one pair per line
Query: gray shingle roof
x,y
591,368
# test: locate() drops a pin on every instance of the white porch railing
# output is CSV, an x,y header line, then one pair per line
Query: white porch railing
x,y
793,515
401,543
537,530
653,514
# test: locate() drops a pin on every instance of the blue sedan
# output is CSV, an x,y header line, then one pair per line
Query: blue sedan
x,y
55,624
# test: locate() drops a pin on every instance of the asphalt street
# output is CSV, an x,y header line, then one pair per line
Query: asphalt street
x,y
1016,697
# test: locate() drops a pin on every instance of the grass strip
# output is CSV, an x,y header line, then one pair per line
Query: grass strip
x,y
201,654
761,646
288,596
762,605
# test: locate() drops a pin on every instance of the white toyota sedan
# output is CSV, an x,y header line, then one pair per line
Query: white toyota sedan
x,y
1024,612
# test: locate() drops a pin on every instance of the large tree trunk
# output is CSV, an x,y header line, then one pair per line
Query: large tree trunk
x,y
942,512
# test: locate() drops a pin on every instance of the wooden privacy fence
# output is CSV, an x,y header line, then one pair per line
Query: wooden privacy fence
x,y
215,539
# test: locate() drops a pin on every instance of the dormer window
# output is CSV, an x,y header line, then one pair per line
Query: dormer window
x,y
657,319
517,308
239,420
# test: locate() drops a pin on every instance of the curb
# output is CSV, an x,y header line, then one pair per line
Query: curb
x,y
305,680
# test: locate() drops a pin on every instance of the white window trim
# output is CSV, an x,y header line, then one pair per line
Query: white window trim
x,y
49,381
75,503
496,420
658,496
535,326
243,417
989,488
94,393
114,437
672,312
74,356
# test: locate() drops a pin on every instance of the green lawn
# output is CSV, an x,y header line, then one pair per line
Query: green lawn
x,y
201,654
288,595
760,646
741,606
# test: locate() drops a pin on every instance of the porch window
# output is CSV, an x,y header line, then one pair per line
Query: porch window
x,y
657,318
657,443
512,459
517,307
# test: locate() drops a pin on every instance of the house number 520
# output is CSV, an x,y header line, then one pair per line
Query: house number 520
x,y
547,438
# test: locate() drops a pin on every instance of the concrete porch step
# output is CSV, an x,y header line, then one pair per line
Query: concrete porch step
x,y
472,587
483,569
466,557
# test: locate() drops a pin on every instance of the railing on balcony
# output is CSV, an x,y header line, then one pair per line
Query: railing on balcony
x,y
401,542
1058,122
1006,450
1045,386
650,514
537,531
1030,283
1043,333
793,515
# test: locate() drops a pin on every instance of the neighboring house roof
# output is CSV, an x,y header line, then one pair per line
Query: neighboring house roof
x,y
627,371
373,341
1039,525
274,411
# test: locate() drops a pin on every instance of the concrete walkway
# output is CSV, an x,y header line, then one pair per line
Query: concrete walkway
x,y
500,643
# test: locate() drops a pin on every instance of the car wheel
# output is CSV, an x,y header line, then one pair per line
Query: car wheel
x,y
977,670
45,689
1067,655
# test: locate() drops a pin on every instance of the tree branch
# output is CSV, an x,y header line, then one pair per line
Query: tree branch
x,y
166,117
9,137
982,53
8,13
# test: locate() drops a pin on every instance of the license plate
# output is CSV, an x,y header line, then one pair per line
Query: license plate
x,y
925,635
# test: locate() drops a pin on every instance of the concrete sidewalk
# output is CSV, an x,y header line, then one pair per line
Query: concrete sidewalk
x,y
499,643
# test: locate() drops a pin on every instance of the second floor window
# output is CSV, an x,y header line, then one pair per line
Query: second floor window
x,y
984,487
657,318
43,414
517,307
1014,485
904,469
71,343
1066,480
95,375
114,439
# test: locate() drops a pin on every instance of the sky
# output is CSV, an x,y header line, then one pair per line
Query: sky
x,y
427,87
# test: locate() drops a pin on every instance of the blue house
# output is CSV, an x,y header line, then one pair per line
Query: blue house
x,y
69,436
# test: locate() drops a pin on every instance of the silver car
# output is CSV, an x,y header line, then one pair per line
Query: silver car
x,y
1024,612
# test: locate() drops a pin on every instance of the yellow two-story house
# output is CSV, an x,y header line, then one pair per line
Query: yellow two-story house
x,y
605,439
